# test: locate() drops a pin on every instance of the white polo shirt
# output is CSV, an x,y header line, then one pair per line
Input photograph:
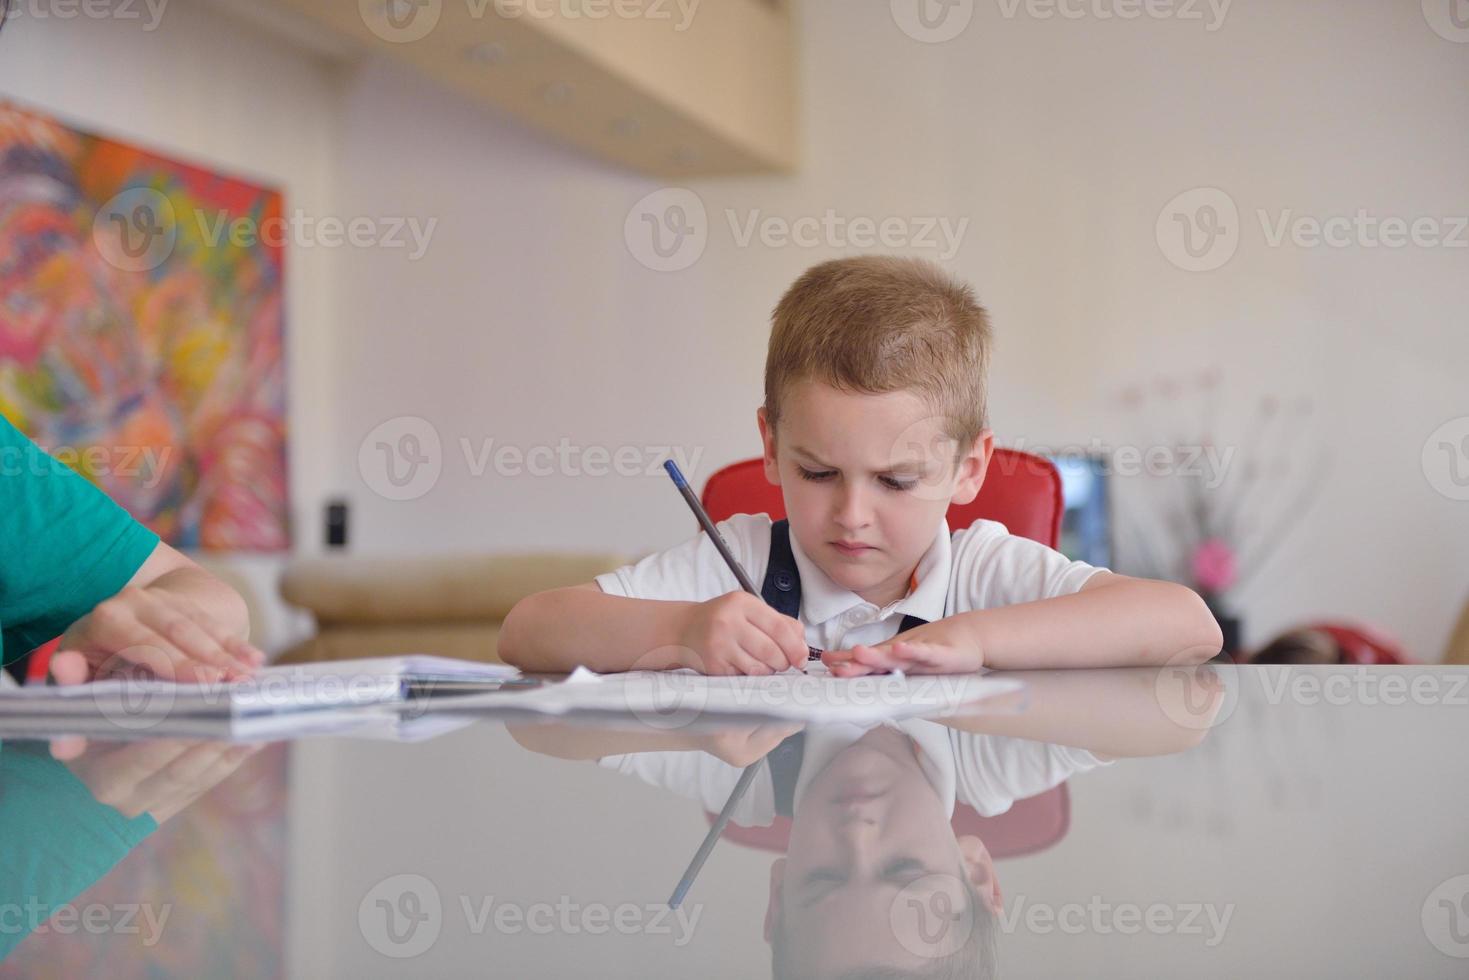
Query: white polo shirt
x,y
987,772
980,567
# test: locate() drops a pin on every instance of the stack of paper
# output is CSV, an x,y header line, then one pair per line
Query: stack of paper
x,y
274,699
675,698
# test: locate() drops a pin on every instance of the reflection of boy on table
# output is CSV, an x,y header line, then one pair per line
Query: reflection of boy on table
x,y
872,854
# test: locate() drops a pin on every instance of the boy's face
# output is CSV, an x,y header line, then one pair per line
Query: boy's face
x,y
869,834
875,471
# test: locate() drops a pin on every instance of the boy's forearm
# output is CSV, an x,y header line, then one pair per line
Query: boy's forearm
x,y
1112,713
561,629
574,742
1133,622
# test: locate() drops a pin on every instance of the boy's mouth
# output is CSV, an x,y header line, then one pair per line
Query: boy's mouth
x,y
849,548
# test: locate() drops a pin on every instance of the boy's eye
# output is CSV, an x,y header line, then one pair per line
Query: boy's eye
x,y
892,483
905,868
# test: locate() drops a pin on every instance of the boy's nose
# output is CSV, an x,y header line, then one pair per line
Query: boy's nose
x,y
852,509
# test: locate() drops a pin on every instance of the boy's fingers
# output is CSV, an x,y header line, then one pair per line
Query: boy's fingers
x,y
796,650
67,747
841,664
788,635
735,661
189,638
242,651
764,649
125,640
749,663
162,659
879,657
70,667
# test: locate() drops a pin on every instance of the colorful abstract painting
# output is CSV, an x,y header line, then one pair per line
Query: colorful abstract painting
x,y
142,330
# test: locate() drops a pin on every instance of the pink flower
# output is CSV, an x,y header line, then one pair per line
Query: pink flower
x,y
1214,569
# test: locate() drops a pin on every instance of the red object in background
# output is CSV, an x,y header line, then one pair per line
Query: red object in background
x,y
1021,491
1362,644
40,662
1029,826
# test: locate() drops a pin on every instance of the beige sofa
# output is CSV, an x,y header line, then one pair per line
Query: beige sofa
x,y
450,606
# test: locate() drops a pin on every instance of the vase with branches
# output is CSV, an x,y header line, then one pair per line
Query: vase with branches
x,y
1218,515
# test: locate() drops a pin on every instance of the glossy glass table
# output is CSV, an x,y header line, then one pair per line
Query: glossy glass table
x,y
1218,822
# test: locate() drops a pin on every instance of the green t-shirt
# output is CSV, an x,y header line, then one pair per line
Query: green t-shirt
x,y
64,545
56,839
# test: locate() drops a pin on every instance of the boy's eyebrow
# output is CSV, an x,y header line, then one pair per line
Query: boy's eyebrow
x,y
916,464
802,451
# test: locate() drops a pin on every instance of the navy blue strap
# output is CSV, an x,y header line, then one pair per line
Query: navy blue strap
x,y
782,590
782,586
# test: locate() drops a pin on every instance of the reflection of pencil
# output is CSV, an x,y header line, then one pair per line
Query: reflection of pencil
x,y
712,837
729,559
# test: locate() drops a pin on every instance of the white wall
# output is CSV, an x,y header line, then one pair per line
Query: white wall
x,y
528,320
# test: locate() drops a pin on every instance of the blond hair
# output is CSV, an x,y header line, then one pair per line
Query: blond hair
x,y
877,324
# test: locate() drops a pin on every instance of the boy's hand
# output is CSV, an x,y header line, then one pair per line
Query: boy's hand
x,y
164,633
157,777
737,633
746,746
935,648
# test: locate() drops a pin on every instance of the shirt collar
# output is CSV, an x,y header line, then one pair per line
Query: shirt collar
x,y
935,754
821,598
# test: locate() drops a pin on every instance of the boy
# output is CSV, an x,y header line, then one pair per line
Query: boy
x,y
874,422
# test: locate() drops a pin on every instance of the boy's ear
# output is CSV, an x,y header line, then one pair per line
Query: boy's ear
x,y
772,907
972,467
981,870
767,440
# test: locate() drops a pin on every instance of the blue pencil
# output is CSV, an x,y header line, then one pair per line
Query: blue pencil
x,y
729,559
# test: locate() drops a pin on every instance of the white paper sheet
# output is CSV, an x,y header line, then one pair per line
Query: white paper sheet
x,y
671,698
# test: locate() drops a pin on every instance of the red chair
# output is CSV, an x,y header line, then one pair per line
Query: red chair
x,y
39,664
1021,491
1362,644
1029,826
